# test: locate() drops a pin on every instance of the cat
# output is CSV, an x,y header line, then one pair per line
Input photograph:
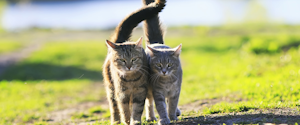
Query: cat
x,y
165,70
125,69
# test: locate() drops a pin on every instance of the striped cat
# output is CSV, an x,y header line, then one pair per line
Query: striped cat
x,y
165,70
125,69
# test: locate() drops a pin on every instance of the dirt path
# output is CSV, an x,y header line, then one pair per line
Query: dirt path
x,y
65,116
259,116
253,116
278,116
201,104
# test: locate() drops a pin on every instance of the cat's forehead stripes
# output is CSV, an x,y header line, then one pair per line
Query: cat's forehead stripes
x,y
126,50
164,57
164,53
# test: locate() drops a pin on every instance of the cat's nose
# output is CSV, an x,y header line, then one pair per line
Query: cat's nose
x,y
164,72
128,67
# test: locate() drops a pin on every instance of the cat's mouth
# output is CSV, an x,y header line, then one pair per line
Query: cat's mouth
x,y
166,74
129,71
132,70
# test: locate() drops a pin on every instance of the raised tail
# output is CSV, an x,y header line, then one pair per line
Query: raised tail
x,y
152,28
124,29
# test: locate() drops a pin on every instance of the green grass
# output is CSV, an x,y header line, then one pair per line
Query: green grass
x,y
9,46
258,69
240,68
251,75
96,109
258,65
61,61
30,101
95,113
50,79
217,66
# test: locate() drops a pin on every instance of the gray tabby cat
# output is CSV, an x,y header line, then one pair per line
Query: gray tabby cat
x,y
125,69
165,70
166,78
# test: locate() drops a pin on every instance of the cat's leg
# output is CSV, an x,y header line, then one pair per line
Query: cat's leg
x,y
150,115
138,102
160,104
114,111
123,100
172,106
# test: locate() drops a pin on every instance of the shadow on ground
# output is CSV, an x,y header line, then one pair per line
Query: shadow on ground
x,y
241,119
42,71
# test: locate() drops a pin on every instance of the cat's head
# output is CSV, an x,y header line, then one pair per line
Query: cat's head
x,y
126,57
164,61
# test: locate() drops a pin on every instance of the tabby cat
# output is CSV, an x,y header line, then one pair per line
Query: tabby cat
x,y
165,70
125,69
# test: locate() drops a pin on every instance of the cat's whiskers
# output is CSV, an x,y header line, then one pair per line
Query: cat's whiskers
x,y
154,78
157,78
151,78
174,76
171,78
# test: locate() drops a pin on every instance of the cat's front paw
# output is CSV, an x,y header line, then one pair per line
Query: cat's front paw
x,y
173,117
164,121
150,119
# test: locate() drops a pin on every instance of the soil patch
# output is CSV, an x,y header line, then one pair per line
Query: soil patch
x,y
65,116
201,104
259,116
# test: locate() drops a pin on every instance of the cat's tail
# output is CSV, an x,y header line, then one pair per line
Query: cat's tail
x,y
124,29
152,28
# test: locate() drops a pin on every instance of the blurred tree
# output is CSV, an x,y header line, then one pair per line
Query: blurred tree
x,y
256,13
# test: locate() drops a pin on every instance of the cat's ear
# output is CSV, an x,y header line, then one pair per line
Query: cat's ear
x,y
110,44
177,50
151,51
139,42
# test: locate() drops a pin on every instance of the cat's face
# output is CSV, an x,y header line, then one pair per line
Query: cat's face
x,y
164,61
126,57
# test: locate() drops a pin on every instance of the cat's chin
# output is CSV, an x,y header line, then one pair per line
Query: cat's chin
x,y
129,71
165,75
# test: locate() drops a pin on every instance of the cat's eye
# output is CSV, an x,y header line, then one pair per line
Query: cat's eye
x,y
122,60
170,64
134,59
158,64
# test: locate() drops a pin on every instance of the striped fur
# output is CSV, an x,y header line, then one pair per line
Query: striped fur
x,y
166,78
126,87
152,28
124,29
166,88
153,33
125,69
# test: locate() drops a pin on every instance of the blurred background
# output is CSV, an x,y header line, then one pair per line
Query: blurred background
x,y
237,56
104,14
